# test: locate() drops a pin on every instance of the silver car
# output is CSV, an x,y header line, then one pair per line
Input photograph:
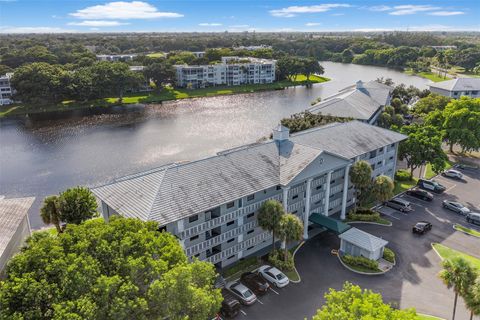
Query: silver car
x,y
452,174
456,207
245,295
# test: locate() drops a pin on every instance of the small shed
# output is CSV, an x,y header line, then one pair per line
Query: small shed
x,y
356,242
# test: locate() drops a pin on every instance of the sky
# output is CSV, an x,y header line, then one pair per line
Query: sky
x,y
53,16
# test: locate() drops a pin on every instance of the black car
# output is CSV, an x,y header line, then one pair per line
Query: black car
x,y
230,305
431,185
255,283
422,227
420,194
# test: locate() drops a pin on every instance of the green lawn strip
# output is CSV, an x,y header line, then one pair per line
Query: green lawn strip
x,y
428,75
401,186
156,55
472,232
427,317
429,172
240,267
448,253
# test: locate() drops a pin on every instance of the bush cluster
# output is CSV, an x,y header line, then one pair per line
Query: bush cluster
x,y
367,217
360,262
389,255
402,175
277,258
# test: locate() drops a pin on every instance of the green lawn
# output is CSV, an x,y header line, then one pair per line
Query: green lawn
x,y
427,317
401,186
240,267
164,95
428,75
429,172
467,230
156,55
447,253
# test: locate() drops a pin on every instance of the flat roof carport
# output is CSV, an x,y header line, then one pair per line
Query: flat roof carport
x,y
331,224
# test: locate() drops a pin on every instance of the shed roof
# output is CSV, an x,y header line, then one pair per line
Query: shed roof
x,y
12,212
363,239
459,84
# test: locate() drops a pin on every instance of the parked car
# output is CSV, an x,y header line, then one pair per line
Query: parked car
x,y
421,194
242,293
421,227
431,185
230,305
465,167
473,217
274,275
399,204
451,173
455,206
255,282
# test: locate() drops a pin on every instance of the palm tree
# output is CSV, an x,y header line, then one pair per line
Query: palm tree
x,y
50,213
361,177
269,216
458,274
472,299
290,229
383,188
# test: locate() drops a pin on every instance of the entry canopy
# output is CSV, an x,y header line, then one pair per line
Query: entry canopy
x,y
334,225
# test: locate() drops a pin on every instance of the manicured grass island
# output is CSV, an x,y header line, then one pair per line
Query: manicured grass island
x,y
428,75
448,253
401,186
427,317
429,172
466,230
167,94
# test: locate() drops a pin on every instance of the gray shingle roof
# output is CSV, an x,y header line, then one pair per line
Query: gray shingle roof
x,y
12,212
459,84
363,239
357,103
176,191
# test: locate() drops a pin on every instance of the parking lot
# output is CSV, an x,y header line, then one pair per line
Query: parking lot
x,y
413,282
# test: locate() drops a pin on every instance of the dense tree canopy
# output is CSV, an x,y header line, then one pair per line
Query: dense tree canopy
x,y
430,103
269,216
124,269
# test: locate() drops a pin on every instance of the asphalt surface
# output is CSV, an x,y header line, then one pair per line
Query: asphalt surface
x,y
413,282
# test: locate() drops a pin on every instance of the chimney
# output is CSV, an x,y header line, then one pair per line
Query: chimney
x,y
359,84
281,133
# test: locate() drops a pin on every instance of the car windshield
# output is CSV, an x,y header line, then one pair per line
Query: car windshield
x,y
280,276
457,204
247,293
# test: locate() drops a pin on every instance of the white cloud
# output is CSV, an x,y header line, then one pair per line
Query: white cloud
x,y
337,14
6,29
446,13
123,10
313,24
209,24
411,9
97,23
380,8
293,11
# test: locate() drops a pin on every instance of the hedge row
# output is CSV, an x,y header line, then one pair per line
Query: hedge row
x,y
402,175
389,255
360,262
375,217
277,258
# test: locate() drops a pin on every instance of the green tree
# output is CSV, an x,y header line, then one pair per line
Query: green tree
x,y
347,56
290,229
160,73
361,177
382,188
311,66
430,103
472,298
49,212
76,205
354,303
459,274
269,216
424,144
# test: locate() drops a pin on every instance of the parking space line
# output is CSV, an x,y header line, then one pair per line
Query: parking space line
x,y
243,312
437,217
274,290
451,188
259,301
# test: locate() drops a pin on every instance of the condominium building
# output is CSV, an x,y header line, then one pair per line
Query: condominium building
x,y
115,57
212,204
6,90
469,87
364,101
231,71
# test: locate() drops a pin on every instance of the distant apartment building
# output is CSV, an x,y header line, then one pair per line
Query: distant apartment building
x,y
443,48
364,101
252,48
6,90
116,57
231,71
212,204
456,88
199,54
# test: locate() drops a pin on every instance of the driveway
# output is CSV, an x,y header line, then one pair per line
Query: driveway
x,y
413,282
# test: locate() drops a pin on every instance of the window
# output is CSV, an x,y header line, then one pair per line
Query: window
x,y
379,163
295,196
332,182
230,204
193,218
318,187
231,257
250,215
231,240
278,187
194,238
251,197
250,248
250,231
197,255
230,223
392,145
380,150
295,212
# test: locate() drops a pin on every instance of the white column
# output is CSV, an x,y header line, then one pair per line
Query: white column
x,y
306,215
345,193
395,157
327,193
285,197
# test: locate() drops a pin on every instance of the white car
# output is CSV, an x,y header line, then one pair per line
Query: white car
x,y
450,173
243,294
273,275
455,206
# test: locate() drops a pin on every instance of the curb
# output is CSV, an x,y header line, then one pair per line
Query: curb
x,y
468,234
294,267
438,254
360,272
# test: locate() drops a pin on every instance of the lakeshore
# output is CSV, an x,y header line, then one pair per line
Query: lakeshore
x,y
155,97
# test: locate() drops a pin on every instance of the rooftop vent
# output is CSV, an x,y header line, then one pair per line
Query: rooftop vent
x,y
281,133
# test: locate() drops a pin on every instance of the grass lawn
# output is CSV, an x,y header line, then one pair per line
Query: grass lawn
x,y
156,55
240,267
467,230
447,253
427,317
164,95
429,172
401,186
428,75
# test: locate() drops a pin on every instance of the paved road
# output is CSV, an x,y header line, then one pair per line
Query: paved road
x,y
412,283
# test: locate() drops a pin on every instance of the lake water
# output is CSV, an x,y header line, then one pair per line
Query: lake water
x,y
42,157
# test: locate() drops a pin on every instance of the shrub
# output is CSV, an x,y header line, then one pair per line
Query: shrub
x,y
365,211
360,262
373,217
402,175
277,259
389,255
